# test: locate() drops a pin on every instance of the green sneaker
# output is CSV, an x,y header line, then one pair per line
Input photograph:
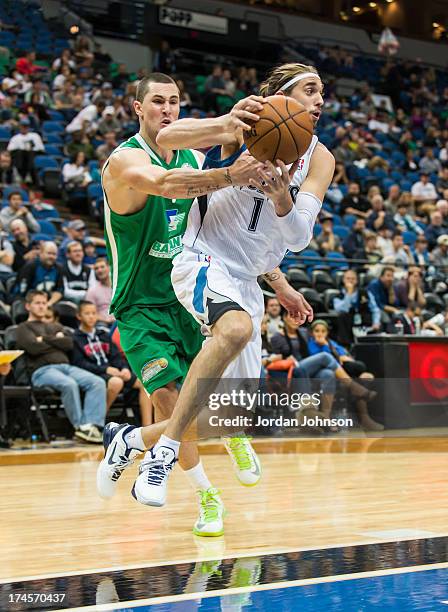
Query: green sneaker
x,y
244,459
211,512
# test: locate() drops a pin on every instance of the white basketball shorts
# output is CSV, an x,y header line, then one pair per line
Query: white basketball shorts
x,y
207,289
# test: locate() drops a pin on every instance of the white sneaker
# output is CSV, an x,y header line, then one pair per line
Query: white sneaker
x,y
151,484
89,433
211,512
117,457
244,459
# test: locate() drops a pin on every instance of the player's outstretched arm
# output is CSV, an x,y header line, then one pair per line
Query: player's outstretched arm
x,y
201,133
131,168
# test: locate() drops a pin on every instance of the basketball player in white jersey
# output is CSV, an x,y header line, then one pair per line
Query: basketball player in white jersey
x,y
232,237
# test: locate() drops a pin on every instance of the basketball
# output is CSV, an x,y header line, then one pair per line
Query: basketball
x,y
284,131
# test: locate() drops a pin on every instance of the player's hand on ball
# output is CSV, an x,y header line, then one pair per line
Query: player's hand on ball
x,y
275,186
244,112
296,305
244,169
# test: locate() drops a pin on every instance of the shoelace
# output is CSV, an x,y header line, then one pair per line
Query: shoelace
x,y
209,505
118,469
241,453
157,470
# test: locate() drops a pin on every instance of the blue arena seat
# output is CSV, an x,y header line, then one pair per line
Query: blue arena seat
x,y
45,161
12,188
341,230
47,227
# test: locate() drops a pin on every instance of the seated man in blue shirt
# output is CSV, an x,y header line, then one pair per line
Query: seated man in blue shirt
x,y
43,274
355,308
382,291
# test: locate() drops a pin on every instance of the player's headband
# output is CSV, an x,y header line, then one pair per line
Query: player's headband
x,y
297,78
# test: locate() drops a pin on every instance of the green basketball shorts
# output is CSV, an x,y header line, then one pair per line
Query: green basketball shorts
x,y
159,342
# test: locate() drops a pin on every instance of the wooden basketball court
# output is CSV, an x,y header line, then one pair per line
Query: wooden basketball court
x,y
315,495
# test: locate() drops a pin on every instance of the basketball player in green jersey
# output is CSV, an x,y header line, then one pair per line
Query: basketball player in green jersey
x,y
148,194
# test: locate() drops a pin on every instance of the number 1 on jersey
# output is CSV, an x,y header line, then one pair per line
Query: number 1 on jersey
x,y
252,227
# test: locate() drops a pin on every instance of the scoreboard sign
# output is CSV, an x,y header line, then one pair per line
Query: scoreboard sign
x,y
192,20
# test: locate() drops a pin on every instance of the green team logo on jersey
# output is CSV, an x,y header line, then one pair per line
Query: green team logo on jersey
x,y
167,250
174,219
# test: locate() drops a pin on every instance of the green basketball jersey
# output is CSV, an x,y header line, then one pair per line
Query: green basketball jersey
x,y
141,245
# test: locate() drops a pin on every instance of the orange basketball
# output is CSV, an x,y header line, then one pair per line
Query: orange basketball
x,y
284,131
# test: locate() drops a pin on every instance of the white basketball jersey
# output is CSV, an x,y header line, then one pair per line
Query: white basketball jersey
x,y
239,226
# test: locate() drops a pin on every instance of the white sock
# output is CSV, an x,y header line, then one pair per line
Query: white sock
x,y
165,441
134,439
198,478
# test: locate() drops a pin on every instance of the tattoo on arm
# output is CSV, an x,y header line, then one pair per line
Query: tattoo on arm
x,y
271,276
227,177
198,191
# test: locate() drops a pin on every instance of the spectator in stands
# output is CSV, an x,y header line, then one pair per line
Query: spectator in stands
x,y
327,239
423,191
184,96
274,317
267,353
165,59
26,65
343,153
442,183
79,143
65,60
369,252
438,323
43,274
63,98
401,253
407,319
47,346
410,164
83,50
382,291
8,173
404,220
429,163
410,289
90,254
379,217
38,95
77,277
6,258
440,256
442,208
393,197
355,240
95,352
86,118
120,80
355,307
110,144
434,229
76,176
23,148
101,292
109,122
76,230
354,203
17,209
25,249
214,86
320,342
420,251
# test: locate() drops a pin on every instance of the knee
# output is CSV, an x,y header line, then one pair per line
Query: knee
x,y
330,362
234,330
367,376
98,384
115,384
